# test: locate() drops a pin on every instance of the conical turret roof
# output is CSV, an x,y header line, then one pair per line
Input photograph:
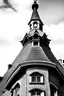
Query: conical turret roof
x,y
35,15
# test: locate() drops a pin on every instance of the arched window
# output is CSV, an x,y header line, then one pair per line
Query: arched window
x,y
35,25
37,92
54,91
36,77
16,90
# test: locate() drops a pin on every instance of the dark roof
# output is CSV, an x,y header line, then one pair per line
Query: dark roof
x,y
29,53
36,53
35,15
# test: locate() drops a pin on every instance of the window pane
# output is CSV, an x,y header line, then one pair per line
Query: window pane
x,y
16,90
35,24
42,94
33,93
36,93
33,78
42,79
38,79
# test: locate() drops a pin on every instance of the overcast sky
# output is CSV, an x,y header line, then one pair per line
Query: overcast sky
x,y
14,25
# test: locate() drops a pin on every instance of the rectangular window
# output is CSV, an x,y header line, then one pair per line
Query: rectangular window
x,y
35,43
16,90
37,93
36,78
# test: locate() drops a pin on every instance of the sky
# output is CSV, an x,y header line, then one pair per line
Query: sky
x,y
14,25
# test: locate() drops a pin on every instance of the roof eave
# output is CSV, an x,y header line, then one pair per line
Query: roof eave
x,y
35,20
33,62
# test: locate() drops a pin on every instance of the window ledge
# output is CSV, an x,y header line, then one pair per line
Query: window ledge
x,y
36,83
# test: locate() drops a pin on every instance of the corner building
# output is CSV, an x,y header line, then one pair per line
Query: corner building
x,y
35,71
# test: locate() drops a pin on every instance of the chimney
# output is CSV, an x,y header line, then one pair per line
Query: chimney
x,y
61,62
9,66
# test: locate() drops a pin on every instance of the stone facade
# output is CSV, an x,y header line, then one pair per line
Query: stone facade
x,y
43,86
26,86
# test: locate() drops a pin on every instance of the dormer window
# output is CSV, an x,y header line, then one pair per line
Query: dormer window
x,y
35,40
35,43
35,24
37,78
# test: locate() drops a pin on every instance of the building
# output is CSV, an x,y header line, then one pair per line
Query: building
x,y
35,71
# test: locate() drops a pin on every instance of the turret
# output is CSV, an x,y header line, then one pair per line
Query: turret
x,y
35,21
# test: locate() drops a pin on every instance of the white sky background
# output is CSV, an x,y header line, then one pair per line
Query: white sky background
x,y
14,25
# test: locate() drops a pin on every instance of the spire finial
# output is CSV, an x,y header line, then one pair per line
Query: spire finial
x,y
35,5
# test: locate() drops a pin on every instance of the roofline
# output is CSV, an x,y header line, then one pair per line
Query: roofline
x,y
35,20
37,62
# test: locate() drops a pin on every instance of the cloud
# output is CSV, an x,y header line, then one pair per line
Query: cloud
x,y
50,2
58,50
55,32
58,42
52,11
4,42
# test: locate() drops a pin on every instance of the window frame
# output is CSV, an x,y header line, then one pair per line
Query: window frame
x,y
16,89
37,78
35,27
37,91
35,40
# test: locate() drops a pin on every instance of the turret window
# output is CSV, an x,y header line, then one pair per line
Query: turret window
x,y
35,40
35,24
37,78
37,92
35,43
